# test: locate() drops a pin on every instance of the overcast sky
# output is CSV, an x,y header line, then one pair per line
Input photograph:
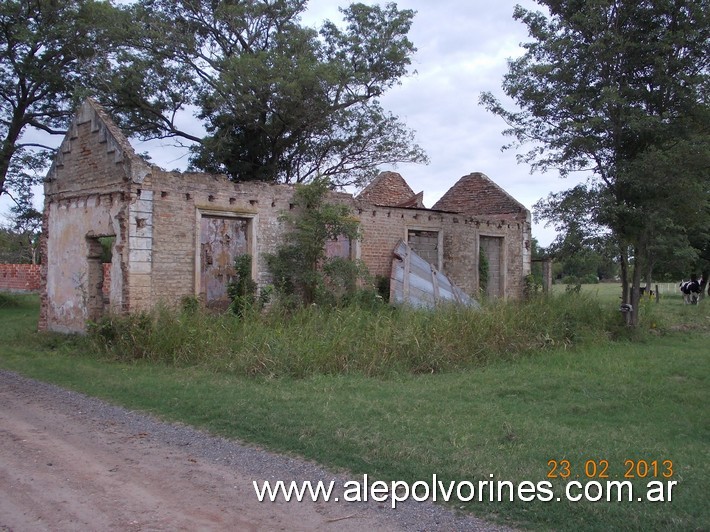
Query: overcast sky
x,y
462,50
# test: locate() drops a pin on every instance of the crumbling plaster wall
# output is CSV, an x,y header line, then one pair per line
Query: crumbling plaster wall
x,y
69,281
88,194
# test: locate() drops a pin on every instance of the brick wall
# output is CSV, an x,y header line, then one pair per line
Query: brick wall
x,y
179,202
475,194
388,188
461,252
97,187
383,227
19,277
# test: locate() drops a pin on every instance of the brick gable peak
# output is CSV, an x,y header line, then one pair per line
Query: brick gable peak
x,y
116,143
389,189
477,194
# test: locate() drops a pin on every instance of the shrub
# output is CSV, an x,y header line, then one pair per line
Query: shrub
x,y
242,288
382,285
483,268
8,301
190,304
532,286
300,267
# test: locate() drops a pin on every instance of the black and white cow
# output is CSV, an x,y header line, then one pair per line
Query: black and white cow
x,y
691,290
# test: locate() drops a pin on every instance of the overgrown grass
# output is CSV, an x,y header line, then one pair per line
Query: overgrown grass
x,y
504,414
370,341
9,300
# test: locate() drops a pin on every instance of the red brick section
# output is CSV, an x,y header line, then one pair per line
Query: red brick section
x,y
476,194
26,278
19,277
389,189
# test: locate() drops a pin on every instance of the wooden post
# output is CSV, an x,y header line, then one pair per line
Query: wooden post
x,y
547,276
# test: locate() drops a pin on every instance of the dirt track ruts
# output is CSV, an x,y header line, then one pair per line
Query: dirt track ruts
x,y
71,462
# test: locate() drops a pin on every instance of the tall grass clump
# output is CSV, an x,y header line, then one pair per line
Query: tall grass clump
x,y
373,340
180,338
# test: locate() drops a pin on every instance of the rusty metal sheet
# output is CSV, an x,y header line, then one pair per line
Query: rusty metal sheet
x,y
222,239
416,282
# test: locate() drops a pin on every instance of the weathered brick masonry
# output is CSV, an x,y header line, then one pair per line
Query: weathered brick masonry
x,y
19,277
176,234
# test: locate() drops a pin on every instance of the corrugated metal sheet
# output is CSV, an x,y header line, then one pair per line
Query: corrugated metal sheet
x,y
416,282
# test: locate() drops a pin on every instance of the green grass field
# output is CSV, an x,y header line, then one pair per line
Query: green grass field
x,y
589,404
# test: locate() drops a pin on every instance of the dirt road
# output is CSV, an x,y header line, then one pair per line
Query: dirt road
x,y
70,462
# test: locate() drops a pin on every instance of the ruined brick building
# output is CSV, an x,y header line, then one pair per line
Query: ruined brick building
x,y
176,234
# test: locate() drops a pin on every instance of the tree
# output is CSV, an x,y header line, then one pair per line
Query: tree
x,y
301,266
582,248
48,50
619,89
280,102
19,239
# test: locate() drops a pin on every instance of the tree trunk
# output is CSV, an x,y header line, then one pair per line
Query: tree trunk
x,y
8,147
649,279
642,260
635,291
624,266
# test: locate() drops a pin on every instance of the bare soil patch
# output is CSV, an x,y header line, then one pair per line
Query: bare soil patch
x,y
71,462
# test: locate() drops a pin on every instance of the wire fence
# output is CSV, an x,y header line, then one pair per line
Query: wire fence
x,y
667,288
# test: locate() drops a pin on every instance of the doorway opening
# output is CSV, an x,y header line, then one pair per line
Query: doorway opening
x,y
98,292
491,247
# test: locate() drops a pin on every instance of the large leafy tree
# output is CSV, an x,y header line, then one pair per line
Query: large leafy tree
x,y
279,101
619,89
582,248
49,50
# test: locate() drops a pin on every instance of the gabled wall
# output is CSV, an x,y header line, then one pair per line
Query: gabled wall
x,y
89,194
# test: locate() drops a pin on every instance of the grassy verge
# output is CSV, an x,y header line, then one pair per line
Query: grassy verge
x,y
507,416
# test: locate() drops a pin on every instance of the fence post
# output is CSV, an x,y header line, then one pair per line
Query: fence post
x,y
547,276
